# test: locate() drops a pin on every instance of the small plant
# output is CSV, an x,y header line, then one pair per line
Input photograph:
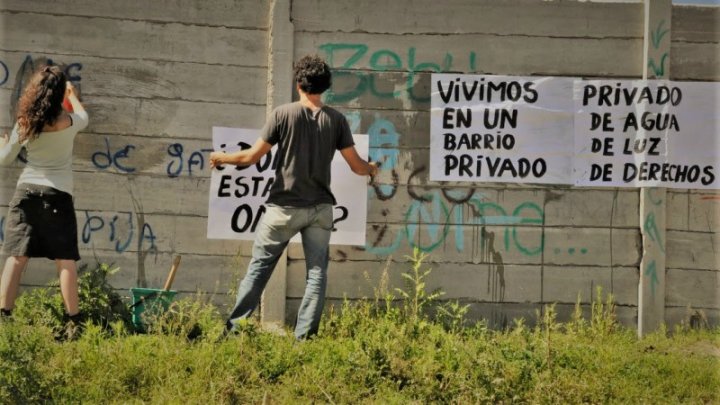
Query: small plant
x,y
382,292
416,297
99,303
452,315
548,326
603,320
190,318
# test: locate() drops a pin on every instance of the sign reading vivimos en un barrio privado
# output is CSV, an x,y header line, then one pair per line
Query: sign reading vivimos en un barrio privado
x,y
501,129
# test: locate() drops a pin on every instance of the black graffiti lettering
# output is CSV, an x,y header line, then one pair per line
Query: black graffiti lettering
x,y
411,187
343,215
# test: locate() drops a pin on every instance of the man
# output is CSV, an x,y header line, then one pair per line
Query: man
x,y
307,134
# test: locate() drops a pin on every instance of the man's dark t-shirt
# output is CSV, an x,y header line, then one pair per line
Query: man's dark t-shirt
x,y
306,142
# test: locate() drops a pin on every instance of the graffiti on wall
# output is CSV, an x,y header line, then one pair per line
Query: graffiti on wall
x,y
432,217
27,67
435,214
183,160
118,228
656,36
113,157
346,59
654,234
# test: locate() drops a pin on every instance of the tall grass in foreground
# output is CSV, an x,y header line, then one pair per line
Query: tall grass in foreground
x,y
382,350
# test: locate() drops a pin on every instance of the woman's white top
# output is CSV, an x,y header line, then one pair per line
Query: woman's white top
x,y
49,156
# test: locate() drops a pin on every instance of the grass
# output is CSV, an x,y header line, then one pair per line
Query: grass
x,y
368,352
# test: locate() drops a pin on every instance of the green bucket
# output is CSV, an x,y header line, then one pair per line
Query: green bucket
x,y
148,302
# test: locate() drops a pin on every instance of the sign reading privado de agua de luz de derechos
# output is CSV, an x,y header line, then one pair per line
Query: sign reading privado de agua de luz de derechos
x,y
635,133
501,129
556,130
238,194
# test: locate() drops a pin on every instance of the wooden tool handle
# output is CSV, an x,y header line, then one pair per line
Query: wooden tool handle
x,y
173,270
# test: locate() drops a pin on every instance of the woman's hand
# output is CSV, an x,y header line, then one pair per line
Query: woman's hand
x,y
70,90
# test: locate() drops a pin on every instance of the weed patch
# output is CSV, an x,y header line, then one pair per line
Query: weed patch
x,y
396,348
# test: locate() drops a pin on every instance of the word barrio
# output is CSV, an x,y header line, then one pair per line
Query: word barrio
x,y
238,194
556,130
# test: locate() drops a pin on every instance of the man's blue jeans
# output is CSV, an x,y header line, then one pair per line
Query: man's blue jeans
x,y
277,227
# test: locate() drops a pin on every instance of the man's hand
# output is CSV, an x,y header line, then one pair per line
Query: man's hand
x,y
373,168
5,140
216,159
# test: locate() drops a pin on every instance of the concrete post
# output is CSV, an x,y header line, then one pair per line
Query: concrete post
x,y
279,91
651,289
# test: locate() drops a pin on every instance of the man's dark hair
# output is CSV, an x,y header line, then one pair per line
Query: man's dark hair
x,y
312,74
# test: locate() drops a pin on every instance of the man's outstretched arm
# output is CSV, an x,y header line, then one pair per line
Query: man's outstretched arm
x,y
357,164
245,157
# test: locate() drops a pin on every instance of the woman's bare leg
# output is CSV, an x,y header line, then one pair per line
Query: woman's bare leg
x,y
67,270
10,281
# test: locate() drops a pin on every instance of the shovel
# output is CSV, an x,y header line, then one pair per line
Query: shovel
x,y
143,295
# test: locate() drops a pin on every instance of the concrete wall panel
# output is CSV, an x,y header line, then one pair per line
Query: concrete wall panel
x,y
693,250
133,39
529,18
693,288
569,285
229,13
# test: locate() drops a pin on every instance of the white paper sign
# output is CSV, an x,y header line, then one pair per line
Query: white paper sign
x,y
501,129
634,133
238,194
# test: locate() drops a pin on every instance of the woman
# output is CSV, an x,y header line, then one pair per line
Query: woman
x,y
41,218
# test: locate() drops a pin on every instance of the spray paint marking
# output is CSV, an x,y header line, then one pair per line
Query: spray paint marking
x,y
105,159
651,273
656,37
652,230
115,227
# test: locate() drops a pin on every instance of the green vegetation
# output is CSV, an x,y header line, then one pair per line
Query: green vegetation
x,y
374,351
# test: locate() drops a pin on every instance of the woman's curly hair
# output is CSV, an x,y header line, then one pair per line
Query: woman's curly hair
x,y
41,102
312,74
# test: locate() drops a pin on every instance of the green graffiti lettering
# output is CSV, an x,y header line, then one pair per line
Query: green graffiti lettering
x,y
423,67
534,209
395,63
331,49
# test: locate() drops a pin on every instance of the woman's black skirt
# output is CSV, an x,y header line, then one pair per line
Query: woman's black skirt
x,y
41,222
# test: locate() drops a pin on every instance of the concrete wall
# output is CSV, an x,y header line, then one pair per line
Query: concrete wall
x,y
157,76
